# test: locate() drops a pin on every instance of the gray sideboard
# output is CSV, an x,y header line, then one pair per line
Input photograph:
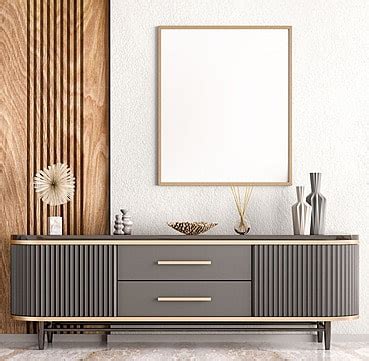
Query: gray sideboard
x,y
305,282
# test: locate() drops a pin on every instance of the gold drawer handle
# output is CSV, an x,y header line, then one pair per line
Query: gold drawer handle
x,y
184,299
181,263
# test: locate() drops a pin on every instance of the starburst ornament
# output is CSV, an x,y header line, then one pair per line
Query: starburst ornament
x,y
55,184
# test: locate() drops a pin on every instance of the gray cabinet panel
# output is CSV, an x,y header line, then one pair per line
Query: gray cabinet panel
x,y
63,280
227,298
306,280
227,263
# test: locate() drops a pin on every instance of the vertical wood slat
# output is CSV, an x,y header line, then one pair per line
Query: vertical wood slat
x,y
76,120
30,122
62,63
321,280
36,109
81,96
71,92
43,104
48,120
94,148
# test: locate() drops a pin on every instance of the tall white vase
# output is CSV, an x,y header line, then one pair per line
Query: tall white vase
x,y
318,204
301,214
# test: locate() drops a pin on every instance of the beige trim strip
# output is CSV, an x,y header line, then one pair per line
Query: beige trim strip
x,y
193,242
222,184
184,263
179,319
289,27
184,299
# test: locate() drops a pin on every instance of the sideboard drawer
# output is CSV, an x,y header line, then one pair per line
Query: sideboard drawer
x,y
221,299
184,263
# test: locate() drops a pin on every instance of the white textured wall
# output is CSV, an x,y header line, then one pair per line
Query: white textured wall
x,y
330,118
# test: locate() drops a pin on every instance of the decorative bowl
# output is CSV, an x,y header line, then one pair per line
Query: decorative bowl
x,y
191,228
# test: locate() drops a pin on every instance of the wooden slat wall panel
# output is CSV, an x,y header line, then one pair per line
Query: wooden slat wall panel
x,y
53,109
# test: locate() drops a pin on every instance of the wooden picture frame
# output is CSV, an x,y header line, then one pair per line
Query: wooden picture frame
x,y
175,56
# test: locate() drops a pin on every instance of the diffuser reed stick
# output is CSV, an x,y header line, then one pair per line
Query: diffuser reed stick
x,y
242,227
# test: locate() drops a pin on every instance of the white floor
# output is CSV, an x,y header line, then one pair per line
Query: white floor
x,y
12,350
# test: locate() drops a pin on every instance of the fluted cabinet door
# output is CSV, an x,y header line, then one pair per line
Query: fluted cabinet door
x,y
54,108
64,281
306,280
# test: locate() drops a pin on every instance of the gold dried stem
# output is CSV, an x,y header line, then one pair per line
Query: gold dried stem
x,y
247,196
234,192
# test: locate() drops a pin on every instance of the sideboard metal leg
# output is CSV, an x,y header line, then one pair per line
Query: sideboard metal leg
x,y
29,327
41,335
104,337
319,326
50,334
34,327
327,335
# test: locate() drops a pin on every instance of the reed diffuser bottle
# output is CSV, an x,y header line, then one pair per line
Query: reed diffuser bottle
x,y
242,225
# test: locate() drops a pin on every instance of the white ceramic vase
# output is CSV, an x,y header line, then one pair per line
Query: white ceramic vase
x,y
301,214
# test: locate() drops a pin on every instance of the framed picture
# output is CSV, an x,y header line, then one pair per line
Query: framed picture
x,y
224,105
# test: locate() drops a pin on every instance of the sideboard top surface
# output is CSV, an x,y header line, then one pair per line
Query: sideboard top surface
x,y
342,237
184,240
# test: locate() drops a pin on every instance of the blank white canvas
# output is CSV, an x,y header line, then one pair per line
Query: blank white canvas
x,y
224,105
